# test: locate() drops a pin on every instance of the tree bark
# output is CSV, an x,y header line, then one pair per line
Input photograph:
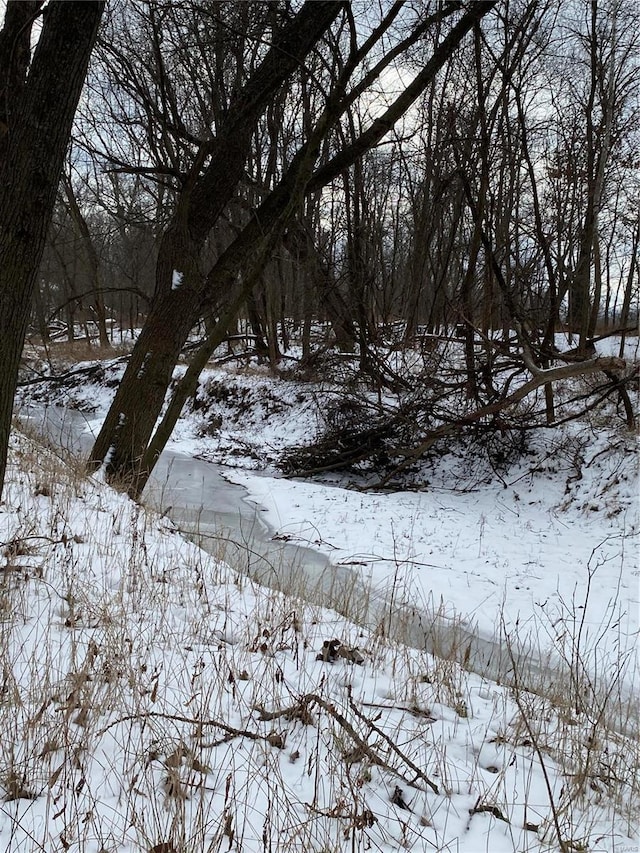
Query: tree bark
x,y
15,55
34,144
126,434
181,284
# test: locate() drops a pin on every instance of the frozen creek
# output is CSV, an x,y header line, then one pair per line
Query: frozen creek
x,y
219,517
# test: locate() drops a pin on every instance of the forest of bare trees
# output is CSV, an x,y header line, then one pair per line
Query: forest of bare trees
x,y
365,177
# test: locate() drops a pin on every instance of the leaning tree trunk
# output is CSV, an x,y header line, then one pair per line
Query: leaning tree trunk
x,y
130,459
35,135
184,292
181,284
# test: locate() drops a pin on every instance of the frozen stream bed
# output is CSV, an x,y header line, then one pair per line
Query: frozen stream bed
x,y
203,504
224,520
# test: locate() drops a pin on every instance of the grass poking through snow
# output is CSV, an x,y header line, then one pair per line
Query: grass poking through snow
x,y
152,699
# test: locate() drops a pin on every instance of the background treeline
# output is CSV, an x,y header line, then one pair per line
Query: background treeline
x,y
524,146
436,172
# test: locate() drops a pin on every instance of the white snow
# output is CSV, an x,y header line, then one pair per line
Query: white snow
x,y
145,683
499,552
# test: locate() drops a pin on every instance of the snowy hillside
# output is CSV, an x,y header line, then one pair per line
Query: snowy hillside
x,y
156,700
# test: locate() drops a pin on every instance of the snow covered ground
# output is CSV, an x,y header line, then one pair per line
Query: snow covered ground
x,y
153,697
522,556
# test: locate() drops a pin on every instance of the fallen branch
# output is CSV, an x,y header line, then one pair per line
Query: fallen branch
x,y
372,726
540,377
272,738
301,711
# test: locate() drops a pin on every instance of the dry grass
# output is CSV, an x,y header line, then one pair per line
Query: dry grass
x,y
152,699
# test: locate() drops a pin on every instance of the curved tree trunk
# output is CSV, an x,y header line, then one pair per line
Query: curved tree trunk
x,y
184,291
181,283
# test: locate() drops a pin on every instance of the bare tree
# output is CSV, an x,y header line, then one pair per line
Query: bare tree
x,y
39,100
92,259
184,292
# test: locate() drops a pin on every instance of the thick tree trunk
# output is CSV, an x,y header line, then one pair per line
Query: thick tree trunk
x,y
140,397
130,464
15,54
181,284
34,144
123,442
